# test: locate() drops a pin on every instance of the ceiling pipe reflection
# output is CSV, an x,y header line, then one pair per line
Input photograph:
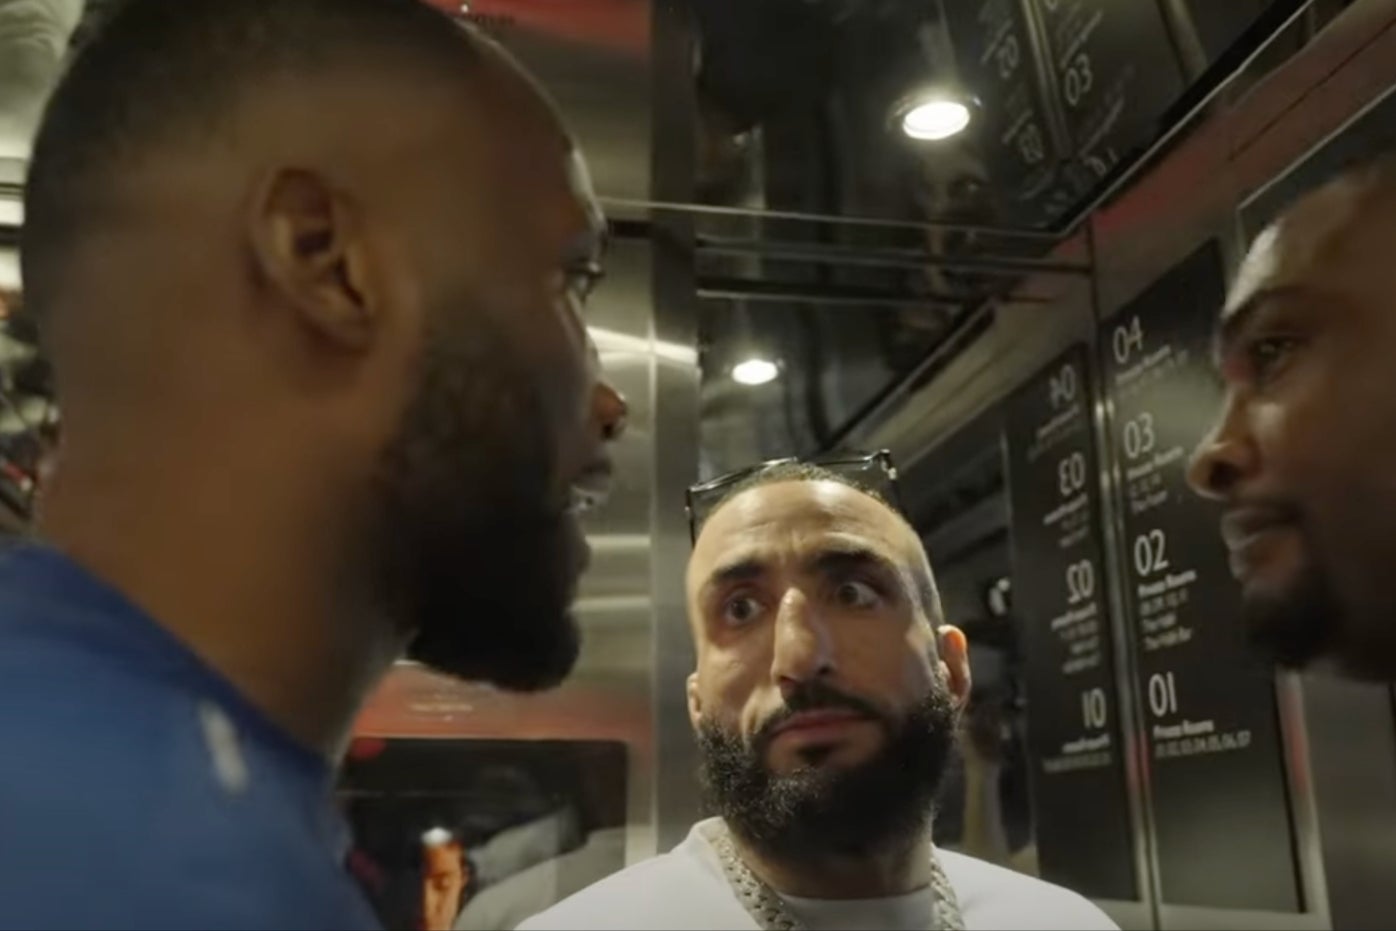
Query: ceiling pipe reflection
x,y
614,341
630,206
618,542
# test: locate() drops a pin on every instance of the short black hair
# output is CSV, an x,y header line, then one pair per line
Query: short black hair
x,y
156,73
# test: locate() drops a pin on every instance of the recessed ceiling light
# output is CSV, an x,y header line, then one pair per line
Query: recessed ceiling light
x,y
935,119
755,372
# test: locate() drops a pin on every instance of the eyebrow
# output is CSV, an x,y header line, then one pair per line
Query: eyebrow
x,y
831,559
741,570
1235,324
1231,328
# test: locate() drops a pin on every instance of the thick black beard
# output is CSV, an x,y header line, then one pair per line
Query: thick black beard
x,y
1297,627
818,812
472,555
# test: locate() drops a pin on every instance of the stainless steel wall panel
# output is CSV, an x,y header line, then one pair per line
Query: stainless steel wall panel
x,y
674,324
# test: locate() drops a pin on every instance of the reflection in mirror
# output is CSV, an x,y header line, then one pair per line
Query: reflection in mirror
x,y
985,808
481,834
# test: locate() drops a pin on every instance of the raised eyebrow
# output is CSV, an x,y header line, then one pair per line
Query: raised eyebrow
x,y
741,570
1243,317
841,559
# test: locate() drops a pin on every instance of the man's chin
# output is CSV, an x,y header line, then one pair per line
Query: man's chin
x,y
1289,623
525,664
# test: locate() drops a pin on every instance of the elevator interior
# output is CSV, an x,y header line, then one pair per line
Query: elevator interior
x,y
921,297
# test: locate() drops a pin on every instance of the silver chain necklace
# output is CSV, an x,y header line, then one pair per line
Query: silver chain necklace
x,y
768,909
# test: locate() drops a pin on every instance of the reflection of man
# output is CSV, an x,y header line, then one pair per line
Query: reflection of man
x,y
825,701
530,866
445,878
1302,448
514,898
984,744
326,399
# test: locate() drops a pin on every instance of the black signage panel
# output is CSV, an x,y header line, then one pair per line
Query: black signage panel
x,y
998,61
1080,805
1116,74
1217,774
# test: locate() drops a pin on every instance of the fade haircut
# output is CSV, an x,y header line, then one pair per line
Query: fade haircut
x,y
167,74
784,472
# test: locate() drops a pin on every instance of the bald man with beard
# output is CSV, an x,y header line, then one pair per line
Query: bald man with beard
x,y
825,700
311,277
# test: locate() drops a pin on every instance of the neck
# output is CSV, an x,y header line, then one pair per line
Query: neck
x,y
900,867
215,559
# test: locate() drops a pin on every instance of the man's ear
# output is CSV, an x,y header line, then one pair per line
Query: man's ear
x,y
953,650
695,701
308,246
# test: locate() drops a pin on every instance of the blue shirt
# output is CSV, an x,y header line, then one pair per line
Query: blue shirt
x,y
139,789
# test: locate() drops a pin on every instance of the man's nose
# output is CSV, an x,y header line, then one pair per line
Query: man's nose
x,y
611,410
1225,456
804,649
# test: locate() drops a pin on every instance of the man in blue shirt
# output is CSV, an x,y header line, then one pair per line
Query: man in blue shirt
x,y
310,275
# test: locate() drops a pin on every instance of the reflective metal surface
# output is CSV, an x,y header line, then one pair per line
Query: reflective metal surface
x,y
1337,737
800,155
1143,913
675,440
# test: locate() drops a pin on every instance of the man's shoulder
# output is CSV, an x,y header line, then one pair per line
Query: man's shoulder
x,y
113,777
992,896
673,890
160,856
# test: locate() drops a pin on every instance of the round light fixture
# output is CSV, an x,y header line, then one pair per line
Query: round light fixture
x,y
755,372
935,119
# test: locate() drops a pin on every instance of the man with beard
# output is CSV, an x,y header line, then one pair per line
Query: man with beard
x,y
310,275
1302,448
825,702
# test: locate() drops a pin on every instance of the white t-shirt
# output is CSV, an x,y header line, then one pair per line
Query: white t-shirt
x,y
686,888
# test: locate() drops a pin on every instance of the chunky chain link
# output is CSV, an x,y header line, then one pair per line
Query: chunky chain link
x,y
768,909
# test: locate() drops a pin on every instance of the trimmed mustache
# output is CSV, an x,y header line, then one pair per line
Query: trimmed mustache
x,y
814,696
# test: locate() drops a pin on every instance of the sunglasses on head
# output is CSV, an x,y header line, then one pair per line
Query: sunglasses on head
x,y
873,471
